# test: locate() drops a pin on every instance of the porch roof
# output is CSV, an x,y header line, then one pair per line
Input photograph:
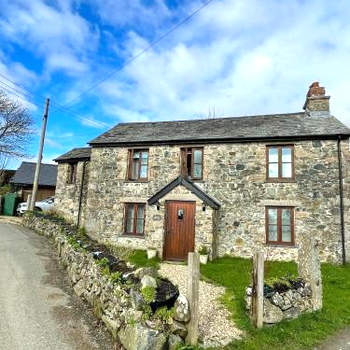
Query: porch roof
x,y
180,180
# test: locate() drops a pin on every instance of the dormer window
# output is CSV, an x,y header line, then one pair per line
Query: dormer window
x,y
192,162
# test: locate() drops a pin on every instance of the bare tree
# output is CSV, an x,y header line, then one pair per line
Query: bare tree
x,y
15,128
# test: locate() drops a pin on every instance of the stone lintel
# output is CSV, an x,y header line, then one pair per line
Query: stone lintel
x,y
281,203
133,200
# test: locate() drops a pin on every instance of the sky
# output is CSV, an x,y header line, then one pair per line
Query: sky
x,y
233,58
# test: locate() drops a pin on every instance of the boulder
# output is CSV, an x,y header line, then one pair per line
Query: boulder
x,y
277,299
112,325
293,312
79,288
272,313
148,281
179,328
182,309
138,337
143,271
137,299
174,342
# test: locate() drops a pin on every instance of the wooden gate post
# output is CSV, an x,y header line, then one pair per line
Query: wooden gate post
x,y
193,297
257,306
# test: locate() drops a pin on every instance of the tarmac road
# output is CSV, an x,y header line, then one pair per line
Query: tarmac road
x,y
38,309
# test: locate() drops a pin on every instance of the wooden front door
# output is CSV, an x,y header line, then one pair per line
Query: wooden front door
x,y
179,230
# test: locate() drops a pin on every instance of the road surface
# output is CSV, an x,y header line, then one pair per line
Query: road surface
x,y
38,309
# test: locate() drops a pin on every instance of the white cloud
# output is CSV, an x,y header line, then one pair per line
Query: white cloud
x,y
50,32
243,57
93,123
12,73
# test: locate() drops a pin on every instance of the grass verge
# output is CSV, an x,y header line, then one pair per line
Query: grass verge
x,y
302,333
139,258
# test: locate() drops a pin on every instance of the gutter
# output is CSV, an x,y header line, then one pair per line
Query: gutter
x,y
81,193
273,139
341,195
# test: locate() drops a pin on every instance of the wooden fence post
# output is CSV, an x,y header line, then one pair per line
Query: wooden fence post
x,y
257,306
193,297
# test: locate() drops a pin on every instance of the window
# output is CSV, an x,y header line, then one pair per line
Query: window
x,y
192,163
72,173
134,219
280,163
138,164
280,225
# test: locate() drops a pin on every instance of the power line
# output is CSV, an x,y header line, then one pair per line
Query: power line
x,y
64,108
133,58
15,91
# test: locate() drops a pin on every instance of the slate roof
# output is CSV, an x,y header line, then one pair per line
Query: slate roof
x,y
82,153
25,174
191,186
230,128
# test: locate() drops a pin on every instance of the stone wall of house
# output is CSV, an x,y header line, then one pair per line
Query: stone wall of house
x,y
234,174
67,195
109,222
345,146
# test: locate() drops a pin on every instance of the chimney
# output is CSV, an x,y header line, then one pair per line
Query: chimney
x,y
317,103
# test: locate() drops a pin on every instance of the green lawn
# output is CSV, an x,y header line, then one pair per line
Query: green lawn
x,y
139,258
303,333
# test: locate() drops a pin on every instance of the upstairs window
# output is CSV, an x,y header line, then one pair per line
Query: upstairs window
x,y
72,173
280,225
134,219
138,164
280,163
192,163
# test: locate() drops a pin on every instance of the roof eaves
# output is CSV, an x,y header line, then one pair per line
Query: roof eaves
x,y
222,140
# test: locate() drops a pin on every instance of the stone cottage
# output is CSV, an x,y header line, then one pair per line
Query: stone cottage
x,y
229,184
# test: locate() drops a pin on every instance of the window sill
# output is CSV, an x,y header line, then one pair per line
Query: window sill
x,y
136,181
132,236
280,181
292,245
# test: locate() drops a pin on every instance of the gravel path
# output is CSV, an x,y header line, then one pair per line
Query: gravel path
x,y
215,326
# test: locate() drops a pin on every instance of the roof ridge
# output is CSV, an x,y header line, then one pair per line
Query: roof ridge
x,y
208,119
27,162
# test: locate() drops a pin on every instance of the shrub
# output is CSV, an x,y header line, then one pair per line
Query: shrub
x,y
203,250
165,314
102,262
148,294
115,276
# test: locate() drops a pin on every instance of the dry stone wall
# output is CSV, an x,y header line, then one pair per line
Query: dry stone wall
x,y
136,322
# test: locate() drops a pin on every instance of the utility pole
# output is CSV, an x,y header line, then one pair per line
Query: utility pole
x,y
40,156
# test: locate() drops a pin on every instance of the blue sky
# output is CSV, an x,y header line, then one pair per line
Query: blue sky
x,y
238,57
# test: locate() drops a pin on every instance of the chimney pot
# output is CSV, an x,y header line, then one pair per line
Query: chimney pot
x,y
317,103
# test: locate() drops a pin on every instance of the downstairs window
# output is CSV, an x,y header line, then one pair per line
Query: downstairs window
x,y
134,222
280,225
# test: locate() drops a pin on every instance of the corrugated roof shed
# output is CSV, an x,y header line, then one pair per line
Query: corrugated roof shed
x,y
25,174
232,128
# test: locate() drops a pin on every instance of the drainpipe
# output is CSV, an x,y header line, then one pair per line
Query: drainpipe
x,y
341,195
81,193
